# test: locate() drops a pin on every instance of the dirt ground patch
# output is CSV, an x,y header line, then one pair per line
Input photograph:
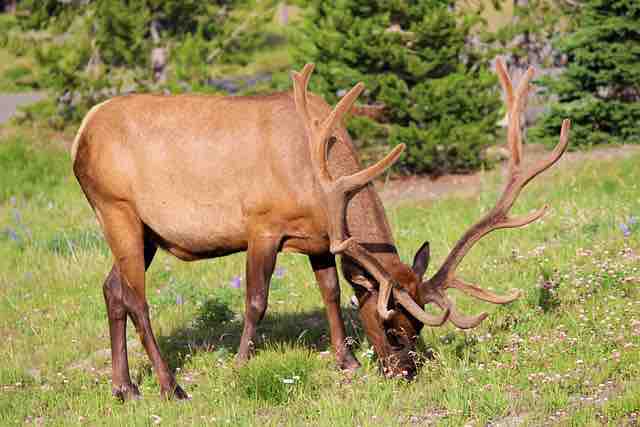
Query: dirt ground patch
x,y
9,103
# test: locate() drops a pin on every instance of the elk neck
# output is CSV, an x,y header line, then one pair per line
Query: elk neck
x,y
366,218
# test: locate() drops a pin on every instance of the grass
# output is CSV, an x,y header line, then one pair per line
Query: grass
x,y
16,73
566,353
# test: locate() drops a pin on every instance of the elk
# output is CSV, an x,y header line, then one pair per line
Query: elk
x,y
203,177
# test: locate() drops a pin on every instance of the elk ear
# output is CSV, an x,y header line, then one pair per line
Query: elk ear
x,y
421,260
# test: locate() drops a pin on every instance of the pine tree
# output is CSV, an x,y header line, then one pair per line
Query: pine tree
x,y
439,97
600,89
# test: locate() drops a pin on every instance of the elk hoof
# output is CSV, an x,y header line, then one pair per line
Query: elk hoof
x,y
243,356
126,392
348,362
175,393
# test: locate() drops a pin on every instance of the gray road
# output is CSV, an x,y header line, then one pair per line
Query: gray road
x,y
9,103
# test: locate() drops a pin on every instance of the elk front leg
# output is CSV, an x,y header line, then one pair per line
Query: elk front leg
x,y
261,260
324,267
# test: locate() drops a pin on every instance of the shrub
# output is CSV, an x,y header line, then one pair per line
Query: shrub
x,y
121,29
7,23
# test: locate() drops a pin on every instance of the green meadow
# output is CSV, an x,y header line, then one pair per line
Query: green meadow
x,y
566,353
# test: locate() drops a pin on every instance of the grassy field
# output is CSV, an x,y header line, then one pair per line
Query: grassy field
x,y
566,353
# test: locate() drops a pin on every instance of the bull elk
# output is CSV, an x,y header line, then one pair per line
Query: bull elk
x,y
203,177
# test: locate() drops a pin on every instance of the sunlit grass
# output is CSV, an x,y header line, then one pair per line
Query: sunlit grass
x,y
566,353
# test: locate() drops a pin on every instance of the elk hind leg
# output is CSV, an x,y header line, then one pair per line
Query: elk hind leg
x,y
133,253
122,387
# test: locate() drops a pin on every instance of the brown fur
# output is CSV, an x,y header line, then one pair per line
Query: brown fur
x,y
204,176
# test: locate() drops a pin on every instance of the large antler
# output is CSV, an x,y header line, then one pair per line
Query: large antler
x,y
497,218
337,190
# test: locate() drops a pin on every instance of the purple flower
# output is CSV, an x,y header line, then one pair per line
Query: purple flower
x,y
179,300
236,282
13,235
279,272
626,232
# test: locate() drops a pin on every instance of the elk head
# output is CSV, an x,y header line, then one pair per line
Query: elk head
x,y
392,296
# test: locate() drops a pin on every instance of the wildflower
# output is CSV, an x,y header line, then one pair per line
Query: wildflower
x,y
236,282
13,235
626,231
179,300
279,272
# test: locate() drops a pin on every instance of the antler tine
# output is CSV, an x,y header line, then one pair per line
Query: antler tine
x,y
505,81
418,312
555,155
438,297
344,105
365,176
518,104
483,294
498,217
300,84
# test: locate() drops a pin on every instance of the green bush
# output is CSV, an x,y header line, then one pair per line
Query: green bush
x,y
38,14
441,99
190,58
28,171
21,76
7,23
120,37
600,89
17,43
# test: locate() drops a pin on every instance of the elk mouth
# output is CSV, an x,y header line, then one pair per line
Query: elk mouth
x,y
401,361
400,364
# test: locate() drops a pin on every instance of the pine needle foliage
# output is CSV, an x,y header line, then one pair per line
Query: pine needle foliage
x,y
600,89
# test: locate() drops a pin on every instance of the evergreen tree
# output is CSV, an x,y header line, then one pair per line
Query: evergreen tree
x,y
600,89
440,98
